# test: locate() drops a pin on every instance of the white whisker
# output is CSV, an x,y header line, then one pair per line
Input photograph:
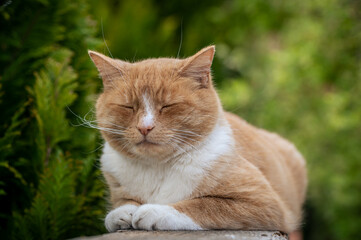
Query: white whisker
x,y
186,132
90,124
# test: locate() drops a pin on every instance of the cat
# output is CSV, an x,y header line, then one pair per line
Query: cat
x,y
175,160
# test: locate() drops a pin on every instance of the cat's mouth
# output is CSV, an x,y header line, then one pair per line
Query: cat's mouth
x,y
146,142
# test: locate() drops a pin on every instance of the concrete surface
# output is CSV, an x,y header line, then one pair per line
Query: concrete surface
x,y
187,235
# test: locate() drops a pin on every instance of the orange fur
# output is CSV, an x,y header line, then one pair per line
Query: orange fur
x,y
260,184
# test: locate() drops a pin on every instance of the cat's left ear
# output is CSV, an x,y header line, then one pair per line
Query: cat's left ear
x,y
199,65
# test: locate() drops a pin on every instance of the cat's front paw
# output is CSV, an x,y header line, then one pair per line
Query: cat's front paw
x,y
162,217
120,218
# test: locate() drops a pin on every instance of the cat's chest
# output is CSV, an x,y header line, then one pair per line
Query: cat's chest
x,y
160,184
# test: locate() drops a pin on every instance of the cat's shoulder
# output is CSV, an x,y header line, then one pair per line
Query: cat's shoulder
x,y
239,125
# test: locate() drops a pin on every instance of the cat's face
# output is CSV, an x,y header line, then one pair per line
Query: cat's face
x,y
158,108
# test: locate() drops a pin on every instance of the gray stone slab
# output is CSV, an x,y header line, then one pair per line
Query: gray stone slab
x,y
187,235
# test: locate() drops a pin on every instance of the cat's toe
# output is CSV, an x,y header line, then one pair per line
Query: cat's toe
x,y
120,218
161,217
146,217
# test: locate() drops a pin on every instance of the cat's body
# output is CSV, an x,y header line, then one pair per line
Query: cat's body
x,y
175,160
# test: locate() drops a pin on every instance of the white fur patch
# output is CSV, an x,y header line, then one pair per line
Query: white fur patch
x,y
162,217
168,183
120,218
148,119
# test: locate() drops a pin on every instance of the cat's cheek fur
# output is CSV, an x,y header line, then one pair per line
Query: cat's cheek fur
x,y
120,218
162,217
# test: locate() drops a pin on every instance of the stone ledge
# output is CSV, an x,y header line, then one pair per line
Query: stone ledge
x,y
177,235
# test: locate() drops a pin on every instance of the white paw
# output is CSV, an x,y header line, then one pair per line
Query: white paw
x,y
161,217
120,218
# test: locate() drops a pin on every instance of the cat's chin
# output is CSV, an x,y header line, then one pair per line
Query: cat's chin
x,y
150,149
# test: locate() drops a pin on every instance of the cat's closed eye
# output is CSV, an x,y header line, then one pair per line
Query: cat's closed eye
x,y
127,107
123,106
166,107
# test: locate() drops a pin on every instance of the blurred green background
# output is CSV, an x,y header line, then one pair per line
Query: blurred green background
x,y
287,66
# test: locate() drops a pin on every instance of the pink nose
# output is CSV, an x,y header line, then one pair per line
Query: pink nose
x,y
145,129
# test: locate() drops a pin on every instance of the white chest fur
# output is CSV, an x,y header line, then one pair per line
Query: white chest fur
x,y
165,184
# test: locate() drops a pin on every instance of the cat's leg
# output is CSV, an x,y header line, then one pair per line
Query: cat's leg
x,y
123,205
239,213
121,217
212,213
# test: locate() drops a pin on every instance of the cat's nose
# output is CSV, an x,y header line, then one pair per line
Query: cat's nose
x,y
144,130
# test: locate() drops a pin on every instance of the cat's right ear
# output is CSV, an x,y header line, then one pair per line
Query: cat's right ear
x,y
109,69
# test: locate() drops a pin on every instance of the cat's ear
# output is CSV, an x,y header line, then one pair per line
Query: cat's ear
x,y
199,65
109,69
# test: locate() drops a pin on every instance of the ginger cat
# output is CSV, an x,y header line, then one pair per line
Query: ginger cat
x,y
175,160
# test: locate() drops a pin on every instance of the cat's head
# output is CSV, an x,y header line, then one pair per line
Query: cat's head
x,y
157,108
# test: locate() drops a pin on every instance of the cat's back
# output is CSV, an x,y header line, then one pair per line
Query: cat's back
x,y
278,159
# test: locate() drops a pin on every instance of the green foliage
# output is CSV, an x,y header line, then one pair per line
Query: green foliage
x,y
53,91
290,67
54,206
50,185
58,210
